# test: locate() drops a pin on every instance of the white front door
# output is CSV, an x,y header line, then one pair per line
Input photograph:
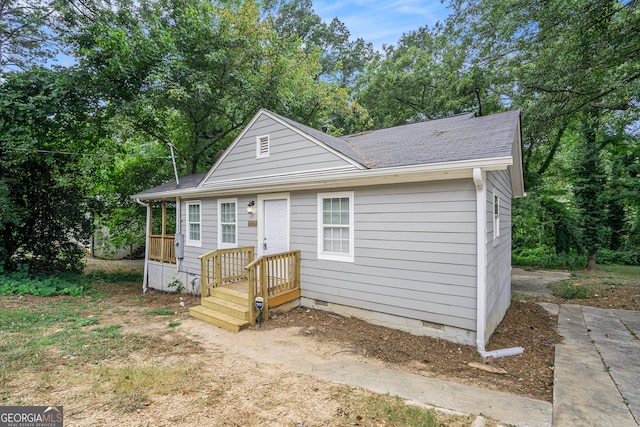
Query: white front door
x,y
275,226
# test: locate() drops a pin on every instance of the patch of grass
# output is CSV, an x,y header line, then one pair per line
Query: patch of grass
x,y
572,290
133,386
160,312
43,336
526,297
114,276
613,282
86,322
174,324
629,272
361,407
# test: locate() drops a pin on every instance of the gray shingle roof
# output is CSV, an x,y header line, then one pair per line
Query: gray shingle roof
x,y
187,181
451,139
457,138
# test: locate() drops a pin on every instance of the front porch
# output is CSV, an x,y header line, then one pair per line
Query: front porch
x,y
231,279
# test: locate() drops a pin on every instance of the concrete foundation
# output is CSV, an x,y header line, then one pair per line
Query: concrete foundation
x,y
162,275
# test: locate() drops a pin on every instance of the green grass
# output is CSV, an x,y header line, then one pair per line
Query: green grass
x,y
570,290
160,312
628,272
47,334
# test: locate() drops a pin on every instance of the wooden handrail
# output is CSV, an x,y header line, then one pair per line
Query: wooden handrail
x,y
222,266
277,273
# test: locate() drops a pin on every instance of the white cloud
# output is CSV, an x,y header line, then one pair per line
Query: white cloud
x,y
382,22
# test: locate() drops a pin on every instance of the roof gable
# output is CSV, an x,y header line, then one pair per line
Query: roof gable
x,y
293,149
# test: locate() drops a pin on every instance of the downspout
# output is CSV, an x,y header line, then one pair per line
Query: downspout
x,y
481,288
481,270
178,228
145,283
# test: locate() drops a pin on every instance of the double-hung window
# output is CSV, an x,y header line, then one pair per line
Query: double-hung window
x,y
227,223
335,226
194,234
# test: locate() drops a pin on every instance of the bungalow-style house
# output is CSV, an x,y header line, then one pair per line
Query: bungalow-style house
x,y
408,227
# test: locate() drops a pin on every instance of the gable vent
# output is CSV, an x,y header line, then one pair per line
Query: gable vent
x,y
262,146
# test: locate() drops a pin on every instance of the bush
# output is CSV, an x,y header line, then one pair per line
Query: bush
x,y
606,256
547,258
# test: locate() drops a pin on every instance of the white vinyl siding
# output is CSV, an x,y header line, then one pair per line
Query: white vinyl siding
x,y
498,274
416,251
227,223
194,236
335,226
262,146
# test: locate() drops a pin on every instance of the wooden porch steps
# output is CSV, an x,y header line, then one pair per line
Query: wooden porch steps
x,y
226,308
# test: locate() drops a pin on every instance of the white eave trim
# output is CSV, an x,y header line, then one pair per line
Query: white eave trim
x,y
340,178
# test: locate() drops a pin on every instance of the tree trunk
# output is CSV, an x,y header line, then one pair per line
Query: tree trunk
x,y
591,262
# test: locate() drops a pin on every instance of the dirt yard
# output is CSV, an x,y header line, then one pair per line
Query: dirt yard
x,y
189,373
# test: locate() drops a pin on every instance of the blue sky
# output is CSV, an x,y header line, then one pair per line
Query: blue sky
x,y
382,21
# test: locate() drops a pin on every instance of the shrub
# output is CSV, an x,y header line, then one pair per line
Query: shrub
x,y
21,282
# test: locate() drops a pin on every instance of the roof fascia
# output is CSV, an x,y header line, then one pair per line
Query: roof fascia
x,y
342,178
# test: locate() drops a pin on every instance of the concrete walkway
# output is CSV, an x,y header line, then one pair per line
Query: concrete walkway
x,y
597,367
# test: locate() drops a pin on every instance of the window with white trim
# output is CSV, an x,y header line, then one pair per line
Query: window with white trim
x,y
194,235
496,216
262,146
227,223
335,226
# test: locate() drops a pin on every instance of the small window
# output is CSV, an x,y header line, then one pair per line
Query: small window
x,y
496,216
262,147
335,226
193,224
227,224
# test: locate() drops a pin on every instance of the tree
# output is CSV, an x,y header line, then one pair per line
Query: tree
x,y
427,75
200,72
560,62
341,59
23,36
44,117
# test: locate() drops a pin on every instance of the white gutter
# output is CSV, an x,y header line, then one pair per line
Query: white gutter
x,y
145,283
339,177
481,288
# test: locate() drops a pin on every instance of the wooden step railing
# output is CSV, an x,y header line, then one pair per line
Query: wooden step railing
x,y
271,275
224,266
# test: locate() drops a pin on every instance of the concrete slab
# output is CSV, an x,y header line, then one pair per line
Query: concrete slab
x,y
584,392
620,352
631,320
515,410
534,282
